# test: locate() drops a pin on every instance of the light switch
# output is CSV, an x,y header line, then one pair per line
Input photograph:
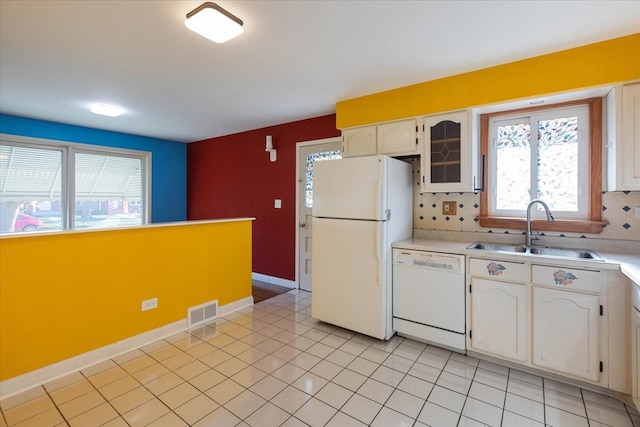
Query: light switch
x,y
637,211
277,204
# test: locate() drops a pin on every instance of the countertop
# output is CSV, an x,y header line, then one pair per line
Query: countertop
x,y
137,227
628,264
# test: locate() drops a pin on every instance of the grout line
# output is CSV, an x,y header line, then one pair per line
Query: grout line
x,y
285,314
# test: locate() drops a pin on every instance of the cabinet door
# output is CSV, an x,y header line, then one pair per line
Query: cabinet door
x,y
359,141
499,318
630,141
566,332
398,138
447,161
635,356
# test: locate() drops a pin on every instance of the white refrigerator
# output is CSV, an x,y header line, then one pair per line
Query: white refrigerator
x,y
361,205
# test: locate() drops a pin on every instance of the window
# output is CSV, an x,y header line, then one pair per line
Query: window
x,y
549,153
51,186
311,159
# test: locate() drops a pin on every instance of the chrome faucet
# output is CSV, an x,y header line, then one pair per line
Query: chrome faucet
x,y
549,218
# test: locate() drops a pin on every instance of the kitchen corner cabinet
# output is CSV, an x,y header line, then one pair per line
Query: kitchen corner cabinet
x,y
449,158
635,345
399,138
623,138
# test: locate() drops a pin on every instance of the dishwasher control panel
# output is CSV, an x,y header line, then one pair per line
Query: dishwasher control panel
x,y
450,262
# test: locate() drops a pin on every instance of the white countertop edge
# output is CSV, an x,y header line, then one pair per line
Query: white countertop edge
x,y
628,264
137,227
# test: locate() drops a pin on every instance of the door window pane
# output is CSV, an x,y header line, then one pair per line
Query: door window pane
x,y
30,189
311,159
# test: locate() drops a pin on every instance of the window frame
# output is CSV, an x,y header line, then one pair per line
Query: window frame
x,y
594,224
68,151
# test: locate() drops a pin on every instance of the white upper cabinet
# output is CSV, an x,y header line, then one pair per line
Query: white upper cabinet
x,y
449,159
360,141
623,138
398,138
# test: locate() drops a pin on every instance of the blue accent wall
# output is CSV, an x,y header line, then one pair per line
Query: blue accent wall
x,y
168,159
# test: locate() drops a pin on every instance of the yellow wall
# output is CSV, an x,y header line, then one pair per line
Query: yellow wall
x,y
66,294
597,64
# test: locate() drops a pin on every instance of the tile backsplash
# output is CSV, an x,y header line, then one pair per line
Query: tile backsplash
x,y
618,208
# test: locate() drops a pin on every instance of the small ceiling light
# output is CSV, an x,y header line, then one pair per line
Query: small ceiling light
x,y
213,22
106,110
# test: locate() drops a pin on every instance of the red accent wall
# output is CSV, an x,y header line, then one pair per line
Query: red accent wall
x,y
231,176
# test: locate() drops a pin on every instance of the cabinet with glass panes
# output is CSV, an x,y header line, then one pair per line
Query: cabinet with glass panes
x,y
449,159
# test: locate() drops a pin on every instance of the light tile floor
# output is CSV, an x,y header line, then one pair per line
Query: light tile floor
x,y
273,365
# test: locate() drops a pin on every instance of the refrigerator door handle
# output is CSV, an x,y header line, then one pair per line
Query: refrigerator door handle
x,y
378,198
378,257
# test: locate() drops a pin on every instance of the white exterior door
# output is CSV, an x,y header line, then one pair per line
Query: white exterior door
x,y
308,154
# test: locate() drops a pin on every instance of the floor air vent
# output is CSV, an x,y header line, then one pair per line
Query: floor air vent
x,y
202,313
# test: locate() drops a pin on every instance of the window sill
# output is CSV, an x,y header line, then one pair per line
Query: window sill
x,y
562,225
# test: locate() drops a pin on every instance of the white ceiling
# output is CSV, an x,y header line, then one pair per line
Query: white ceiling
x,y
295,59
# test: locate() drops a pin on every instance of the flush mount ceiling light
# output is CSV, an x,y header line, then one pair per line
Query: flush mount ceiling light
x,y
213,22
106,110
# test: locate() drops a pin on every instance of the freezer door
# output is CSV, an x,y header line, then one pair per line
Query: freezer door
x,y
350,188
350,287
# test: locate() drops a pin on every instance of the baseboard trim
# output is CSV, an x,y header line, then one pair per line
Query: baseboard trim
x,y
65,367
235,306
275,280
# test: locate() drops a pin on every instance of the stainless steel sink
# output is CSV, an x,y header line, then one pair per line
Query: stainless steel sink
x,y
537,250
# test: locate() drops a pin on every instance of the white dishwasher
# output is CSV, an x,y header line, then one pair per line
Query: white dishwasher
x,y
429,297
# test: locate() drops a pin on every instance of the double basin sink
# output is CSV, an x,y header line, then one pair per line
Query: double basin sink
x,y
537,250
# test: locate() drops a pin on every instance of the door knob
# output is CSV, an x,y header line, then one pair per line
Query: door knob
x,y
302,225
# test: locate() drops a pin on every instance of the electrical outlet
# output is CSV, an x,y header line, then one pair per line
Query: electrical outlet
x,y
449,208
149,304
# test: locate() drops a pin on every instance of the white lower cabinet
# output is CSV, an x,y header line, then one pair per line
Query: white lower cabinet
x,y
635,346
499,318
546,317
566,332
